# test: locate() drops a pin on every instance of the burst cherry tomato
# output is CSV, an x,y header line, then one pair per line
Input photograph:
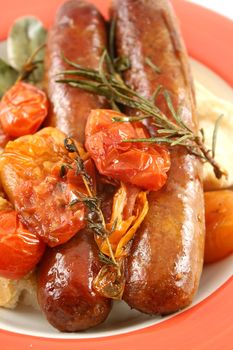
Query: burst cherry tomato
x,y
39,176
141,164
20,249
23,109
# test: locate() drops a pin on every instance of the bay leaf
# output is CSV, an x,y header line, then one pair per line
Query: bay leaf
x,y
25,36
8,76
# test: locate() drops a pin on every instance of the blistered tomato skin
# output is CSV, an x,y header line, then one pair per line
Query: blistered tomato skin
x,y
219,225
20,250
23,108
30,172
140,164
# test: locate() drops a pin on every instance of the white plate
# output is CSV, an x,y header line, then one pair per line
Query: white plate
x,y
122,319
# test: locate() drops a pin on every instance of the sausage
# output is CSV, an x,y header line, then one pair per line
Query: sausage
x,y
166,257
66,274
65,285
79,34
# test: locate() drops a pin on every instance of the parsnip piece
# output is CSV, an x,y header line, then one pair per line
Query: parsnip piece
x,y
209,107
14,291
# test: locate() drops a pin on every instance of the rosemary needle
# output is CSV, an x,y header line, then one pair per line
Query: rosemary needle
x,y
153,66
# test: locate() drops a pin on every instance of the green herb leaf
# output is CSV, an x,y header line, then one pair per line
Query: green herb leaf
x,y
153,66
64,169
74,202
112,38
121,64
91,202
8,76
98,228
156,93
69,145
105,259
202,132
26,35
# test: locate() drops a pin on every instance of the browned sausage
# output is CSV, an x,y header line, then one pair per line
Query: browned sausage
x,y
65,285
66,274
165,262
79,33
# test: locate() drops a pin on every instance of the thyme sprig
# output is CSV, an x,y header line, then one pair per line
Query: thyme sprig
x,y
105,259
173,131
95,217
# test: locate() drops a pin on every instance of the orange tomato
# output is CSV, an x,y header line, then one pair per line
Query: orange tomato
x,y
23,108
219,225
141,164
20,249
45,196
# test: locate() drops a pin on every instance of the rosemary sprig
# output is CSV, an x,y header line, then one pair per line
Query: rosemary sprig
x,y
95,216
107,82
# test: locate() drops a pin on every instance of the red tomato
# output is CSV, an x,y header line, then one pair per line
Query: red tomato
x,y
23,109
20,250
141,164
4,138
46,198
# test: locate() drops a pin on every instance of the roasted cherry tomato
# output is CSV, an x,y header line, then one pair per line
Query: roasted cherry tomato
x,y
4,138
20,250
23,108
141,164
219,225
40,178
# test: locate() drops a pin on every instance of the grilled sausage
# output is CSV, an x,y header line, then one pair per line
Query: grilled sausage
x,y
65,285
79,34
166,258
65,291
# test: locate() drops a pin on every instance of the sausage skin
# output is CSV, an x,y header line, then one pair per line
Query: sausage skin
x,y
65,285
79,33
166,258
66,274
